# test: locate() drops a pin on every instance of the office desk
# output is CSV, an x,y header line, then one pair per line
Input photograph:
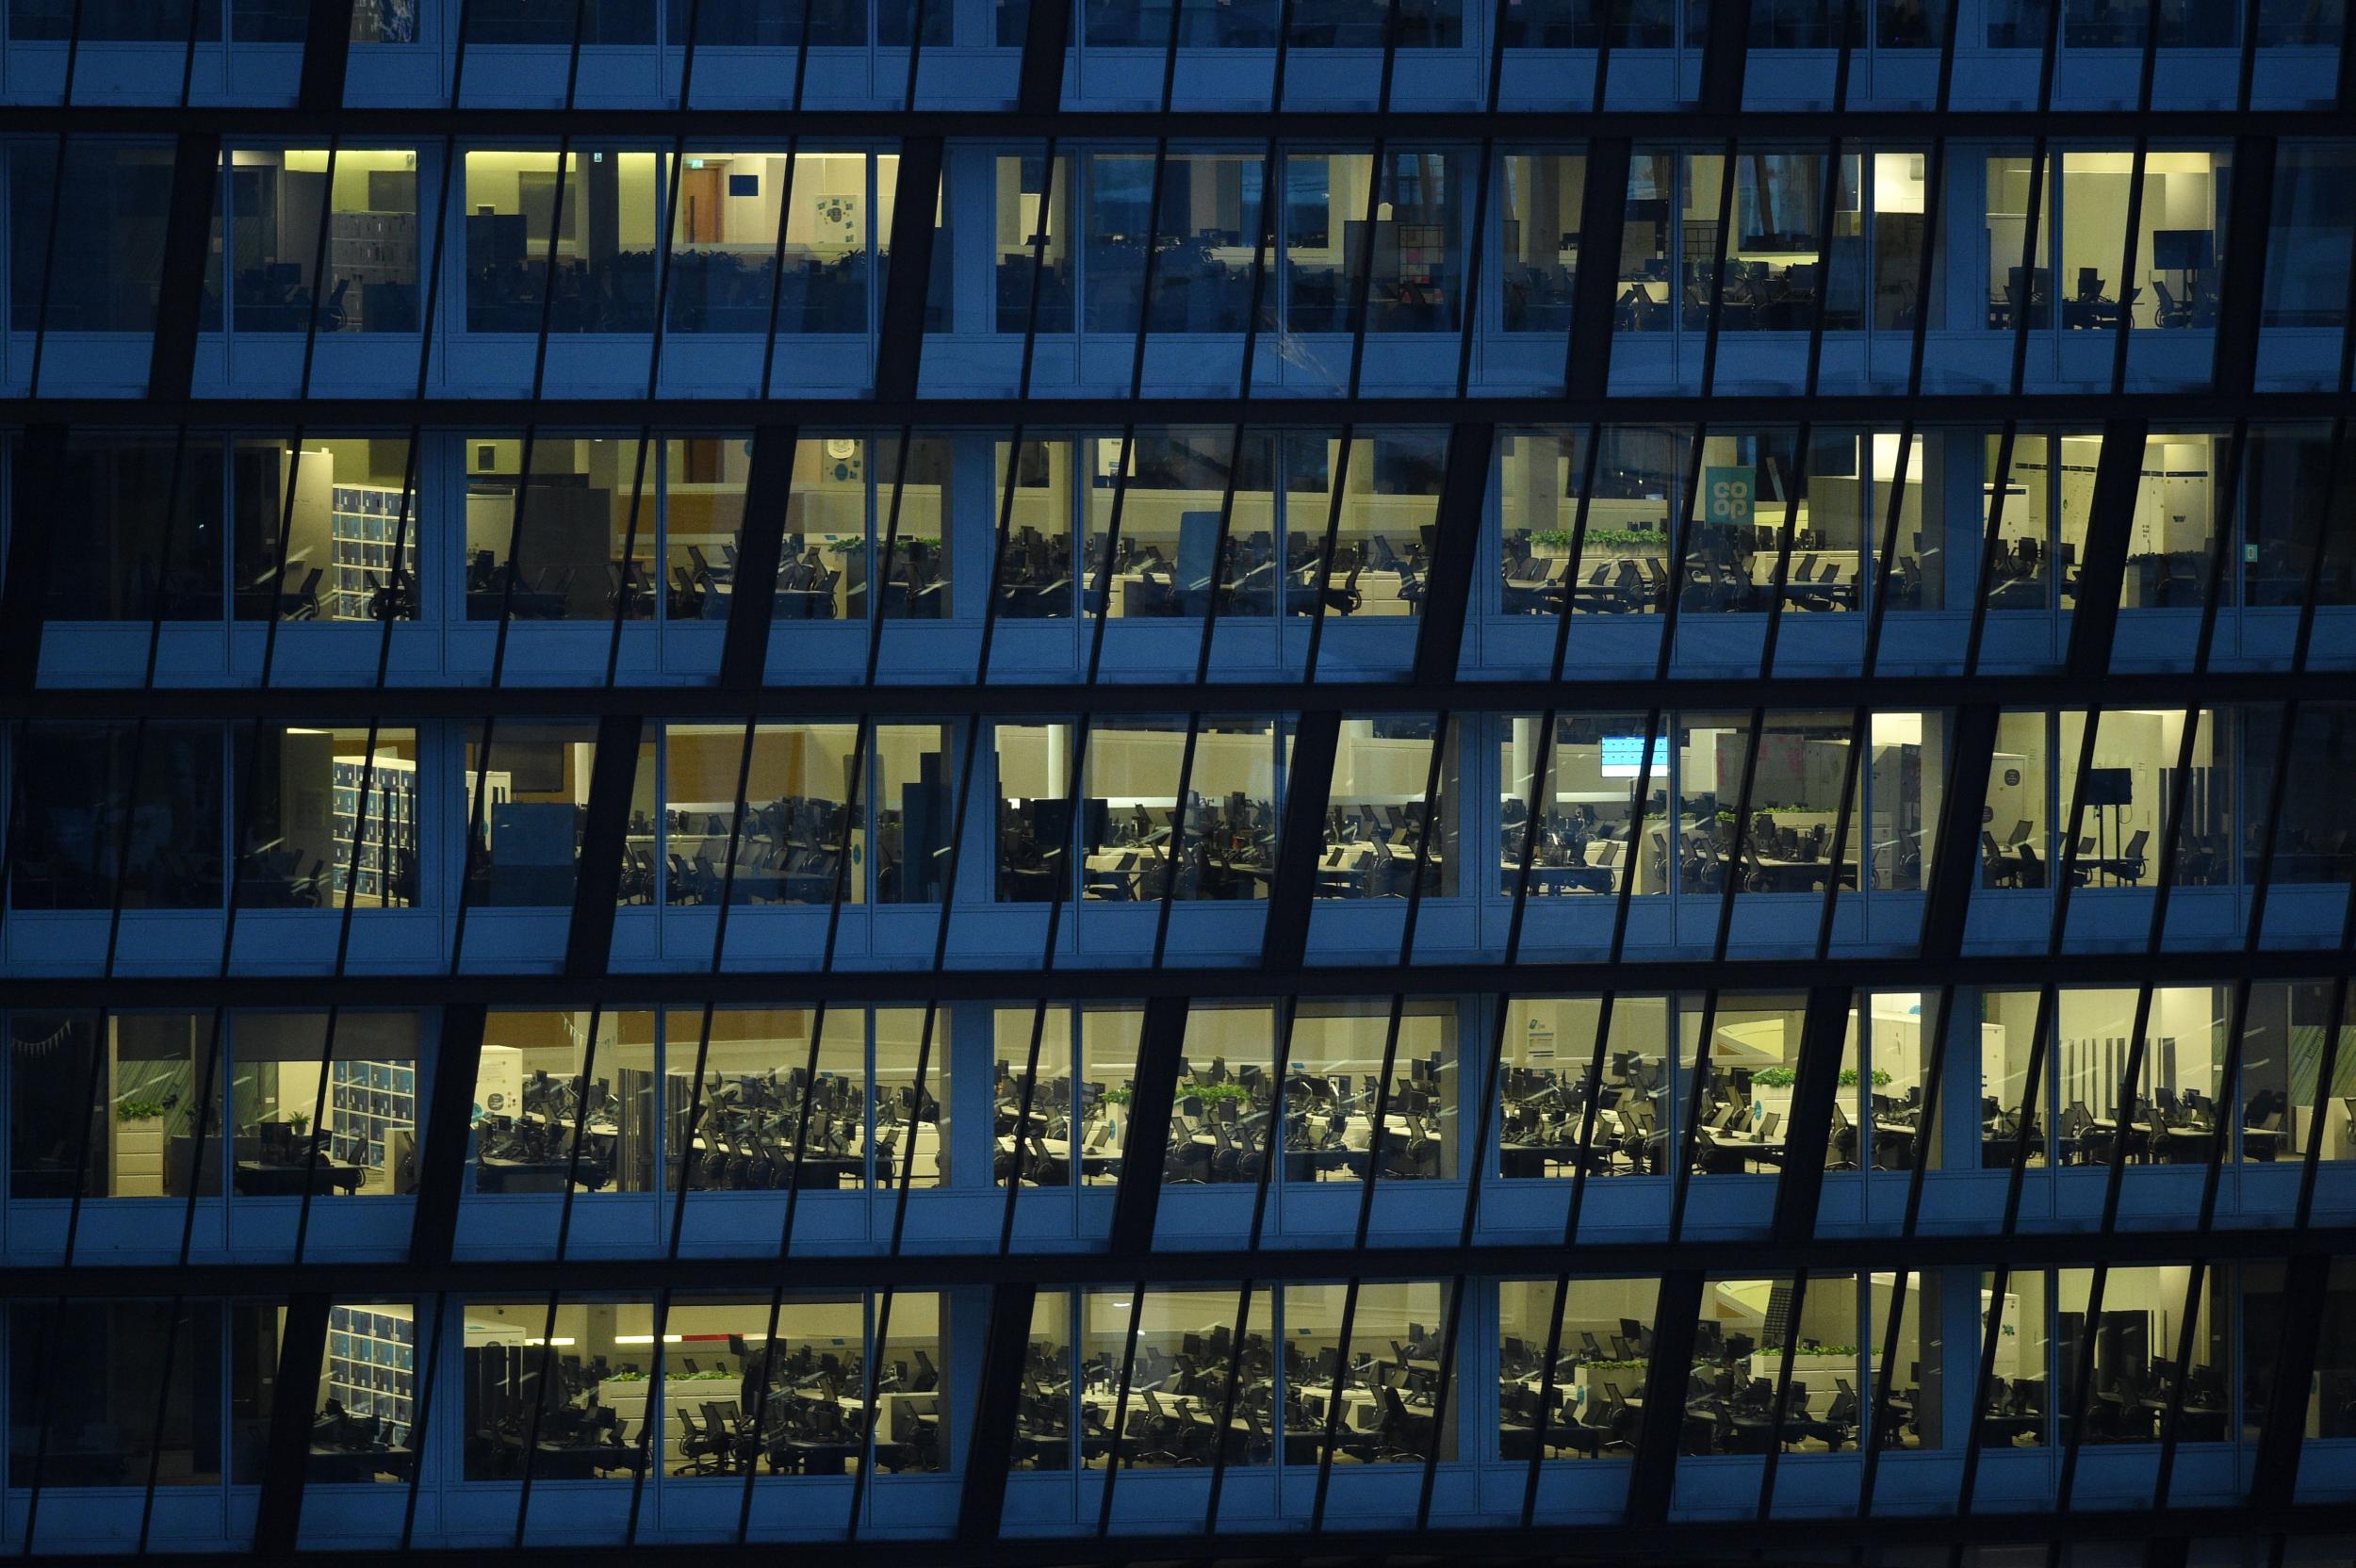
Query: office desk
x,y
255,1179
823,1172
1790,877
493,1174
1731,1154
1554,880
1529,1161
361,1464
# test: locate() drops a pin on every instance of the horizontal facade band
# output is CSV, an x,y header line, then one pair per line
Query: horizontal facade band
x,y
1061,699
525,1278
605,122
2077,408
912,987
1687,1544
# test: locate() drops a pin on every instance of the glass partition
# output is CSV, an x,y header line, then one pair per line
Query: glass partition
x,y
565,1103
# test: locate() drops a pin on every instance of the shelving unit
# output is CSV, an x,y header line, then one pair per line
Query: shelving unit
x,y
363,522
385,839
371,1365
376,253
376,1116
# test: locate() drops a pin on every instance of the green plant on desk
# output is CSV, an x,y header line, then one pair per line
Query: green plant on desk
x,y
1614,1365
138,1110
300,1122
1773,1078
625,1376
1848,1078
1119,1097
1213,1093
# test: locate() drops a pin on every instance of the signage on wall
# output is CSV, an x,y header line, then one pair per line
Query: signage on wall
x,y
1728,496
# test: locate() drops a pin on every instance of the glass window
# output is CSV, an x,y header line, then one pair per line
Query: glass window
x,y
1797,840
939,293
333,814
1774,273
2042,507
1221,1122
532,806
597,212
2294,511
1558,1113
915,484
384,22
118,811
560,22
2175,1119
1343,1391
1164,523
2299,24
1385,830
1581,1409
2137,1330
1365,24
122,21
911,1085
1584,24
1136,842
1413,272
1032,288
2178,243
1335,1080
1649,301
1905,795
562,543
1898,1046
1043,1428
1196,251
1034,825
1639,492
156,1413
2308,249
1909,23
368,200
2287,1108
1589,838
2020,274
2331,1398
1386,526
771,24
1539,474
1802,24
559,1107
1064,1137
1034,507
330,1102
2101,25
108,252
703,519
1749,1078
557,1391
1910,1415
1160,1373
1542,197
781,1102
364,1425
2009,1024
2020,1407
2314,837
141,535
723,233
141,1087
1739,1362
325,533
788,845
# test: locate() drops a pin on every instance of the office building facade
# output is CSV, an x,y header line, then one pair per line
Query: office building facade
x,y
1508,777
